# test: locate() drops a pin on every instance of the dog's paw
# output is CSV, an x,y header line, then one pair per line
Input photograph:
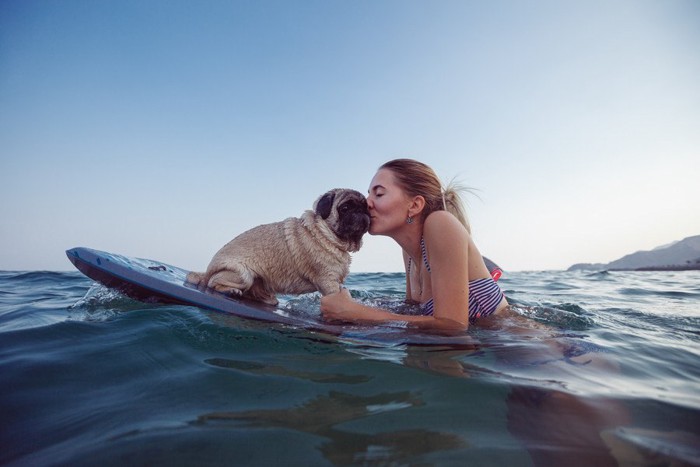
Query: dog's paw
x,y
329,288
271,300
227,290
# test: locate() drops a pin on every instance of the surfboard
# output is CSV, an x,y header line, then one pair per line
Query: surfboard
x,y
153,281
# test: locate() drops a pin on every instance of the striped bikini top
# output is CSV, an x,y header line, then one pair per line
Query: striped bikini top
x,y
484,294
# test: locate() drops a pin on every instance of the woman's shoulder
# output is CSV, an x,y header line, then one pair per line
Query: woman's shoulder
x,y
442,229
439,220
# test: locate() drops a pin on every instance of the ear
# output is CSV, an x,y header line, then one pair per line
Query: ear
x,y
416,206
325,204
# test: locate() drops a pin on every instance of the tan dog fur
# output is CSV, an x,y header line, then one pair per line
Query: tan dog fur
x,y
297,255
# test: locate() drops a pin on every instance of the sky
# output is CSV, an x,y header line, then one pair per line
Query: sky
x,y
162,129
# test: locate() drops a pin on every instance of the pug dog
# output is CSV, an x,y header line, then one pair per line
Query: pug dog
x,y
295,256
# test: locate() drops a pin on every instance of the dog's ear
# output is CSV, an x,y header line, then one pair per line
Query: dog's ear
x,y
325,204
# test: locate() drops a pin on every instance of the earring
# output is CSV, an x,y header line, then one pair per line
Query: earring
x,y
409,220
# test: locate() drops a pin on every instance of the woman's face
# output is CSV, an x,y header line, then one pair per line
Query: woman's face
x,y
388,204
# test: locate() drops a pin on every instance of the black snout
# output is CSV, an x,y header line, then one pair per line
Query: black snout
x,y
353,217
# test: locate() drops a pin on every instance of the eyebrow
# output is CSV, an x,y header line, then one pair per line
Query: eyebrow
x,y
376,187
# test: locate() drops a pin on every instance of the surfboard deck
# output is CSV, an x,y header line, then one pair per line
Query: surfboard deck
x,y
153,281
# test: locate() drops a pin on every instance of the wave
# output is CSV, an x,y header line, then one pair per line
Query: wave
x,y
37,276
101,303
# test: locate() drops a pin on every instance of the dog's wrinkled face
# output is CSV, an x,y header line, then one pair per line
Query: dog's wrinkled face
x,y
345,211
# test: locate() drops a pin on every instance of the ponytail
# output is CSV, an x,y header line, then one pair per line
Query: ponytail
x,y
452,203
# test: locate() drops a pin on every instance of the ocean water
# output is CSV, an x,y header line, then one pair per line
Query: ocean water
x,y
588,369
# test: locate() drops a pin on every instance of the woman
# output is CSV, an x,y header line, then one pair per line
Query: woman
x,y
445,272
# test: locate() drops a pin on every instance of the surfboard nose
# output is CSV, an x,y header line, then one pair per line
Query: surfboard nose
x,y
73,254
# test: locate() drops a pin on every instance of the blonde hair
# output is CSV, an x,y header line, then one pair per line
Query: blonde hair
x,y
418,179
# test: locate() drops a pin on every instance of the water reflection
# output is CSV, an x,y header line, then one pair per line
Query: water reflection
x,y
322,415
559,405
564,399
257,368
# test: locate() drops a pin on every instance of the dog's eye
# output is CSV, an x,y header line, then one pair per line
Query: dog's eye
x,y
344,208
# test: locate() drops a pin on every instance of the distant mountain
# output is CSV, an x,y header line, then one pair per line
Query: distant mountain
x,y
684,254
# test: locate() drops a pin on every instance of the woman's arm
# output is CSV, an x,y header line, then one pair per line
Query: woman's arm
x,y
341,307
447,245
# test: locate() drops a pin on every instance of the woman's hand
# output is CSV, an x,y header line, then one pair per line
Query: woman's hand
x,y
334,307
